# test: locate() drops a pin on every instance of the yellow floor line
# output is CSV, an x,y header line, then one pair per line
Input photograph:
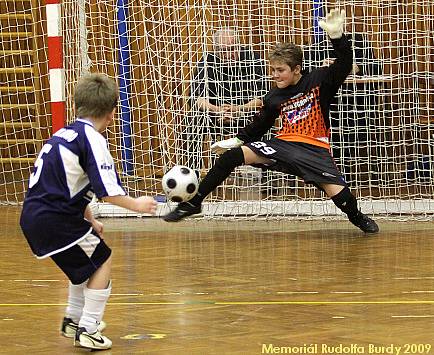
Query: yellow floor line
x,y
230,303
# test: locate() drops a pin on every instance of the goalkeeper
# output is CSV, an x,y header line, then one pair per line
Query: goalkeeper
x,y
300,100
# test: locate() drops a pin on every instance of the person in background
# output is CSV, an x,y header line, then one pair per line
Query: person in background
x,y
227,88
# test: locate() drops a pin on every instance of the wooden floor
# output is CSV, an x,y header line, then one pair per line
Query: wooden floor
x,y
226,287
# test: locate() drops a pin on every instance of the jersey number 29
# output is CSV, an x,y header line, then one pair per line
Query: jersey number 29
x,y
263,147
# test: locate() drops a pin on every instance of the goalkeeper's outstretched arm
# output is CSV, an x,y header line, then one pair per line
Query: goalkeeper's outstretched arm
x,y
260,125
253,131
333,24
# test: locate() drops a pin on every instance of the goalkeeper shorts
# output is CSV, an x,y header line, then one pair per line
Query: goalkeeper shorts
x,y
313,164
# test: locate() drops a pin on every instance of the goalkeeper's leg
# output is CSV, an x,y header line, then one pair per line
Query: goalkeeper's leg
x,y
222,168
347,203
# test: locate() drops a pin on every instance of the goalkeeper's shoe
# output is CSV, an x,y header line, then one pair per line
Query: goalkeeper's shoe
x,y
184,209
69,327
365,223
95,341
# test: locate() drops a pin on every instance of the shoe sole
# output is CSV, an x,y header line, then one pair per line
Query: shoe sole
x,y
168,219
95,341
77,344
372,232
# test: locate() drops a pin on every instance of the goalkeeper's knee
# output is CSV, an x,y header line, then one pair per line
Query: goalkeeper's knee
x,y
230,159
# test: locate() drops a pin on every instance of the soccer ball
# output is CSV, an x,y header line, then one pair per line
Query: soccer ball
x,y
180,183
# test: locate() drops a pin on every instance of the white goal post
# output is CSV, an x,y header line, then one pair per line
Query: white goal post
x,y
382,134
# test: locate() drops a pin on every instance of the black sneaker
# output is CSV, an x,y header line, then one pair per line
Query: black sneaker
x,y
184,209
365,223
69,327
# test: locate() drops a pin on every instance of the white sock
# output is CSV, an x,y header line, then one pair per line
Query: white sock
x,y
94,306
75,301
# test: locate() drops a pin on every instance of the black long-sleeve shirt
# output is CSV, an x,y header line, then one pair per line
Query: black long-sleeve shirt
x,y
234,83
303,108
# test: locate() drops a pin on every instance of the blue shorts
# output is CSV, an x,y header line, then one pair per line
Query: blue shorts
x,y
80,261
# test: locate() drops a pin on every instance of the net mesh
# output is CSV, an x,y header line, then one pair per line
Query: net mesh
x,y
381,129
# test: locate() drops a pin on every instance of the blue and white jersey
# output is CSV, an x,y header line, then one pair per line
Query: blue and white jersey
x,y
71,167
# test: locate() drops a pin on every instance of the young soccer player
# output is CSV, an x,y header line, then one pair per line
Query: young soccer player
x,y
301,100
73,166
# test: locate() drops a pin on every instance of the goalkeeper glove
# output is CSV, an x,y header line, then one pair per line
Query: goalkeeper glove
x,y
333,23
222,146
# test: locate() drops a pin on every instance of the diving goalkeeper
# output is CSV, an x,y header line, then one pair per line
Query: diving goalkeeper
x,y
301,147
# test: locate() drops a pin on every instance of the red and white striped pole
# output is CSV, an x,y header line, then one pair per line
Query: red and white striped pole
x,y
55,63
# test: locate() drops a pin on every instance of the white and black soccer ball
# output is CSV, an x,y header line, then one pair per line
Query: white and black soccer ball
x,y
180,183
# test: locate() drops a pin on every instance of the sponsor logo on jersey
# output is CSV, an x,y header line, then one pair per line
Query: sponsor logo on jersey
x,y
299,102
296,115
105,166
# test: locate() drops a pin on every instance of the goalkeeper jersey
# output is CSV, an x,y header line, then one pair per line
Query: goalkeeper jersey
x,y
302,110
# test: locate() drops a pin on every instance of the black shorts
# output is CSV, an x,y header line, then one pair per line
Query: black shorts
x,y
80,261
313,164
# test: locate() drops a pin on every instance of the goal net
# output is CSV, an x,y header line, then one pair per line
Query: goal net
x,y
382,135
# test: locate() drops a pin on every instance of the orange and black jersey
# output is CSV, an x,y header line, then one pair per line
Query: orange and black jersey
x,y
303,108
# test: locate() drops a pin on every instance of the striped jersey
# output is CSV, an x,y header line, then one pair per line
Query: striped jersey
x,y
73,166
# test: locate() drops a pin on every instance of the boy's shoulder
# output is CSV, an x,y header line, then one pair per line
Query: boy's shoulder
x,y
270,94
314,76
78,130
276,96
78,125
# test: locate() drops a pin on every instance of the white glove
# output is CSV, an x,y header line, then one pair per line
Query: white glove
x,y
222,146
333,23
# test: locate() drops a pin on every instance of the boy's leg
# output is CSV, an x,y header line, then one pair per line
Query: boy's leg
x,y
75,301
73,310
347,203
222,168
87,262
96,295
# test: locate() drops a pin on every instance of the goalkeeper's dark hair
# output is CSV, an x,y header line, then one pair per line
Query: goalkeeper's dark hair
x,y
95,96
287,53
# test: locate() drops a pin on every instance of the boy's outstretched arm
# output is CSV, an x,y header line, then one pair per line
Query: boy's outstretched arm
x,y
143,204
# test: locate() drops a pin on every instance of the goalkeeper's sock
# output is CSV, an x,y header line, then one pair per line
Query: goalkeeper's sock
x,y
346,202
222,168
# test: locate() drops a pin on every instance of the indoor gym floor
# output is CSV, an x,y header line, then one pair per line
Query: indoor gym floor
x,y
235,287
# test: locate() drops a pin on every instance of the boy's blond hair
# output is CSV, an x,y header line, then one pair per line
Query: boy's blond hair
x,y
95,96
287,53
